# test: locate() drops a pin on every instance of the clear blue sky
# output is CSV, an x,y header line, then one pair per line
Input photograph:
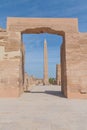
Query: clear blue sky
x,y
34,43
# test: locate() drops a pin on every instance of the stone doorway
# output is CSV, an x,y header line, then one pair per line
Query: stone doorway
x,y
34,57
51,31
73,54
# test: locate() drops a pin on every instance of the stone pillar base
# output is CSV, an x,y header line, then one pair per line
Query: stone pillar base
x,y
76,95
10,92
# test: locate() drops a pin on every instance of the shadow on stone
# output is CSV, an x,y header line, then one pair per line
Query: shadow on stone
x,y
54,93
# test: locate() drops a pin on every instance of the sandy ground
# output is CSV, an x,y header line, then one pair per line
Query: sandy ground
x,y
43,108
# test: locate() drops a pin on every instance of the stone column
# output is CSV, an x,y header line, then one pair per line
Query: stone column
x,y
58,74
46,79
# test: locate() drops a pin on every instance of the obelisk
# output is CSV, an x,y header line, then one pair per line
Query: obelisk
x,y
46,79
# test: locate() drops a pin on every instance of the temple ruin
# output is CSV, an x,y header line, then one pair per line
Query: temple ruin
x,y
73,54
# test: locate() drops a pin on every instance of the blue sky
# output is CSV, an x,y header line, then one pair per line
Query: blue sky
x,y
34,53
34,43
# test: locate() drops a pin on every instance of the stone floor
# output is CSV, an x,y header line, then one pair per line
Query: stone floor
x,y
44,108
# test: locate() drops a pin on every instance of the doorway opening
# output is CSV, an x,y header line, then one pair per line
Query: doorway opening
x,y
34,58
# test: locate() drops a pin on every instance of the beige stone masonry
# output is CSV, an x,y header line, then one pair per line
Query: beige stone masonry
x,y
58,74
73,54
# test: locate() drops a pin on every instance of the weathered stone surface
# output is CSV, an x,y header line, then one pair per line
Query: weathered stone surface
x,y
58,74
63,69
48,25
9,78
10,62
75,62
46,79
73,54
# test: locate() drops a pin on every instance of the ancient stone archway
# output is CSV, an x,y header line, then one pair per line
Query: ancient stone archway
x,y
73,54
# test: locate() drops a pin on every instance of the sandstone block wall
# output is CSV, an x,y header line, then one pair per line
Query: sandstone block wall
x,y
83,63
42,25
73,54
10,61
76,68
63,68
